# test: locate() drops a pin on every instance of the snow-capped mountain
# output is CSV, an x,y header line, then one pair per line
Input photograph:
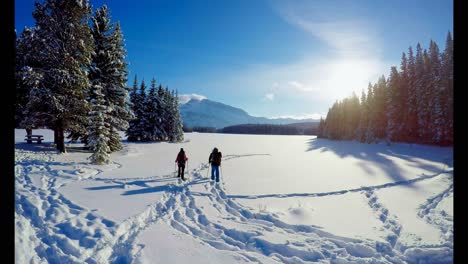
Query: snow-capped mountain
x,y
207,113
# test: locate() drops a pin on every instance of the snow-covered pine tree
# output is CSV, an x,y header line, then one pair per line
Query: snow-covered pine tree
x,y
353,115
380,106
140,113
110,71
64,49
402,129
169,114
152,101
321,128
392,103
334,121
420,86
425,102
162,113
342,119
370,132
177,134
98,129
363,118
26,48
330,122
437,92
411,100
132,131
447,82
170,118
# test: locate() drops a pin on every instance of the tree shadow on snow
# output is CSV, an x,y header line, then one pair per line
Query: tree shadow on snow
x,y
162,188
50,147
379,155
44,147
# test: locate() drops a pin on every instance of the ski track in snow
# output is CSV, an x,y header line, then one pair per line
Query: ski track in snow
x,y
443,221
340,192
389,222
68,233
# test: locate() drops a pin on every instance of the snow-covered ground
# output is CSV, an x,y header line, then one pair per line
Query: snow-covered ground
x,y
282,199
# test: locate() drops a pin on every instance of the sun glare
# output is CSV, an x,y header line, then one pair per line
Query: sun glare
x,y
348,75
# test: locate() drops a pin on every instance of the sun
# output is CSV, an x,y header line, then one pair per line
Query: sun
x,y
350,75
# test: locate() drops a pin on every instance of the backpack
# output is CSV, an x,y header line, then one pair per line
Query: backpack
x,y
217,158
181,159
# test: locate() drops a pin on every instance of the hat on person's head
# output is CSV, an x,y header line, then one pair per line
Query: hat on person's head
x,y
181,149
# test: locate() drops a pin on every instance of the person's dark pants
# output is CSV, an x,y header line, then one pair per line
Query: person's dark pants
x,y
181,172
215,172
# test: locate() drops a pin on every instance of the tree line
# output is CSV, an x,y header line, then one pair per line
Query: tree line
x,y
272,129
157,114
414,105
71,75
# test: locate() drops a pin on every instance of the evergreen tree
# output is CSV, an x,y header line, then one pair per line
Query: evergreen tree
x,y
425,101
436,94
363,118
393,114
177,131
152,130
380,108
370,109
353,111
162,113
420,86
332,122
447,84
321,128
411,100
401,102
132,131
26,78
140,113
57,99
109,70
169,117
98,129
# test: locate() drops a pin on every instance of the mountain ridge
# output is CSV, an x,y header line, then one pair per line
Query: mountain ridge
x,y
208,113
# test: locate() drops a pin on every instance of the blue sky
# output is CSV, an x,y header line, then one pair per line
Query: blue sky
x,y
270,57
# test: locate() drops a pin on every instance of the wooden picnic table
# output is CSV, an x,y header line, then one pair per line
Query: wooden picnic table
x,y
31,138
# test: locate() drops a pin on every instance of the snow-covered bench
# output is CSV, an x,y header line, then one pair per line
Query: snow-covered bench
x,y
31,138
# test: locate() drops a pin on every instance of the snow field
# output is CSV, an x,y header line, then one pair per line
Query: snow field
x,y
282,199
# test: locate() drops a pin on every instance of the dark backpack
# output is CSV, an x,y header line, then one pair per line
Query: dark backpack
x,y
181,159
217,158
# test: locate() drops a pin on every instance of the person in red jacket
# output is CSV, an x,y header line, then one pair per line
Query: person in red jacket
x,y
181,161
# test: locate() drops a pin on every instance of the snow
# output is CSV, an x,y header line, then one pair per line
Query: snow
x,y
282,199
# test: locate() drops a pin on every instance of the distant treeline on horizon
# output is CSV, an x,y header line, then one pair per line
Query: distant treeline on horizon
x,y
305,128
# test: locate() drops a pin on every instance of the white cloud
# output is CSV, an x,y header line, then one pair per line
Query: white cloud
x,y
269,96
351,60
303,116
336,23
301,87
184,98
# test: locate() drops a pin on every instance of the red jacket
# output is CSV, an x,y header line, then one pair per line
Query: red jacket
x,y
181,159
